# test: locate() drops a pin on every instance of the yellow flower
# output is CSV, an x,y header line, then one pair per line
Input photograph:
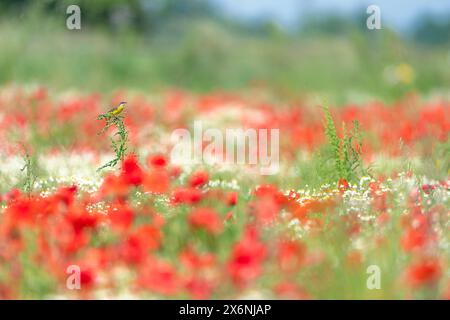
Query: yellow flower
x,y
404,73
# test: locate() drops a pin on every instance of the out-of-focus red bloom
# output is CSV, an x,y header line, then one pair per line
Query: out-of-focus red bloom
x,y
186,195
247,257
175,171
374,187
199,288
424,272
354,258
159,276
193,260
343,185
40,93
87,278
73,242
149,236
66,194
205,218
289,290
231,198
132,251
131,171
157,161
81,219
270,191
198,179
156,181
158,220
121,217
291,255
21,211
353,225
383,218
293,195
379,202
114,186
413,239
140,244
417,233
97,258
301,209
199,273
13,194
268,203
265,209
427,188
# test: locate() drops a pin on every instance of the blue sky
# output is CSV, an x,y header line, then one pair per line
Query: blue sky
x,y
398,14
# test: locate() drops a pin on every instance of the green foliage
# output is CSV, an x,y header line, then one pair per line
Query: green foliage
x,y
334,141
345,150
118,141
30,168
35,281
437,164
185,53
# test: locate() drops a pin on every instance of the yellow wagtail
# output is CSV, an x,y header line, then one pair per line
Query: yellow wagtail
x,y
117,110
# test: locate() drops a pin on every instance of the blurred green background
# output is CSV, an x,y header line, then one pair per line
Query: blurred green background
x,y
152,45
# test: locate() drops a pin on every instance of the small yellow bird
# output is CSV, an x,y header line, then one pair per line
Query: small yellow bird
x,y
117,110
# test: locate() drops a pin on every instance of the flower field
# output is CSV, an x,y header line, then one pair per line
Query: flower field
x,y
359,208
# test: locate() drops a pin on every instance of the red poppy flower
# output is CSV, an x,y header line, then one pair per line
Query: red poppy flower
x,y
245,264
186,195
132,251
231,198
266,190
159,276
156,181
66,194
424,272
114,186
21,211
140,244
289,290
121,217
291,255
270,192
193,260
74,242
149,236
199,288
87,278
343,185
157,161
383,218
205,218
428,188
175,171
131,171
12,194
413,239
265,210
198,179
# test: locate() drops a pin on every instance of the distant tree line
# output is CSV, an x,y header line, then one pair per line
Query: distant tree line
x,y
149,16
